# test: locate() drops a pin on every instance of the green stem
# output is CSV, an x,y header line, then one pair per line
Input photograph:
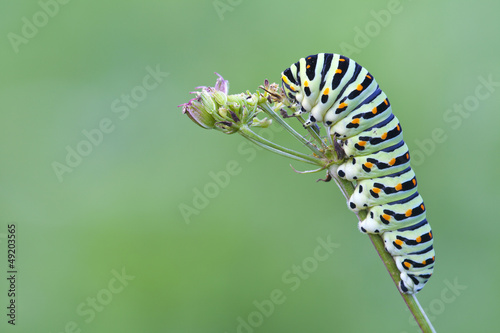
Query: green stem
x,y
411,301
271,146
268,110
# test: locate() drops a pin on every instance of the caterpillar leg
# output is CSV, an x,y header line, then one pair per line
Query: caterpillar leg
x,y
310,121
300,111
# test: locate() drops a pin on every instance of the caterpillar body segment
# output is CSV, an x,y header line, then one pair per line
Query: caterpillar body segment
x,y
394,215
382,135
371,111
386,161
377,191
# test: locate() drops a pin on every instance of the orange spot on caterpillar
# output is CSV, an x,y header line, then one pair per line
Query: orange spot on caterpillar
x,y
386,102
407,264
376,190
374,111
383,136
409,212
398,127
368,76
368,165
341,59
399,187
386,217
418,239
308,66
342,105
422,206
284,79
392,162
430,234
362,143
327,90
355,121
338,71
306,84
398,242
292,88
359,87
424,262
414,181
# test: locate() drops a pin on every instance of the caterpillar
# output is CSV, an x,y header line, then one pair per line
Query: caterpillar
x,y
345,97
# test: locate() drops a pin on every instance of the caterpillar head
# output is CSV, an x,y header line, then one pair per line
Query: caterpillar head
x,y
290,85
291,88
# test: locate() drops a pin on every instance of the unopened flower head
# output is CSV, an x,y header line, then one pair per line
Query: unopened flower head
x,y
214,108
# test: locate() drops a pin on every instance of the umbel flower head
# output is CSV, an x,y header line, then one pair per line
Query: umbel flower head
x,y
214,108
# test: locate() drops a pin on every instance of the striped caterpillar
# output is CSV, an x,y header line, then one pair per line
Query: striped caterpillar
x,y
344,96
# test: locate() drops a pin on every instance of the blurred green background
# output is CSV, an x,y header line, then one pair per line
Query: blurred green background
x,y
67,69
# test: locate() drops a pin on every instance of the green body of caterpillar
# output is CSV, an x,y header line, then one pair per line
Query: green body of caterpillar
x,y
342,95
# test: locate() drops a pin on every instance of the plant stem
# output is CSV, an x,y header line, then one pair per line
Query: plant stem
x,y
271,146
268,110
411,301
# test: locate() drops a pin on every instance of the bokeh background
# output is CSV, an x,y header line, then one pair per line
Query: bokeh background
x,y
67,69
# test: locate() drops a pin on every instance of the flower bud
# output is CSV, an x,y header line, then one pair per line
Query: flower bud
x,y
207,101
223,112
197,113
220,97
